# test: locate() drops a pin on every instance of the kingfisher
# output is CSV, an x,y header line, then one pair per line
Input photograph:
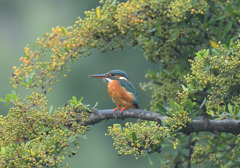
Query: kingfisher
x,y
120,89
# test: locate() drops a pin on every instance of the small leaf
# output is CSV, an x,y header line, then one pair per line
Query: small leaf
x,y
74,100
222,17
190,104
204,101
152,30
184,88
31,75
207,52
32,152
199,55
23,84
8,98
82,136
95,106
98,12
3,150
50,110
163,123
149,160
227,28
27,79
80,100
216,51
3,100
162,110
71,138
63,30
230,108
171,103
134,137
114,2
213,44
211,113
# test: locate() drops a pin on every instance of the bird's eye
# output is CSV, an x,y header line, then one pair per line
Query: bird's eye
x,y
113,74
108,74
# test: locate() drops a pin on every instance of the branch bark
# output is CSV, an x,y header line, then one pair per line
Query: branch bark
x,y
228,126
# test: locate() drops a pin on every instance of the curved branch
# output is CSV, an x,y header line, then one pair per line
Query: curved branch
x,y
228,126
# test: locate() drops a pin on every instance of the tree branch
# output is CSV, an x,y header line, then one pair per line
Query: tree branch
x,y
228,126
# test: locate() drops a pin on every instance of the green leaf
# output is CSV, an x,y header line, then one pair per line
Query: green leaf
x,y
149,160
114,2
184,88
190,104
64,31
50,110
230,109
82,136
171,103
162,110
163,123
71,138
227,28
212,19
74,99
175,34
152,30
3,100
23,84
27,80
199,55
216,51
8,98
222,17
14,95
214,9
176,105
211,113
151,73
80,100
3,150
204,101
31,75
134,137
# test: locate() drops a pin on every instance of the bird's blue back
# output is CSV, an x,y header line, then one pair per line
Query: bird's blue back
x,y
130,88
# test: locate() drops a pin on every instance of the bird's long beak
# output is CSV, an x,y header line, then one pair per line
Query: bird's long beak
x,y
98,76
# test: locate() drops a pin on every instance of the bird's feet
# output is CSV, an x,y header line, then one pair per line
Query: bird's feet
x,y
116,109
124,108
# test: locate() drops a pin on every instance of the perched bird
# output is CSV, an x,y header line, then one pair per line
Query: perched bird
x,y
120,89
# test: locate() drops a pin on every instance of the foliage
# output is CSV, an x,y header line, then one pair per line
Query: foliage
x,y
169,33
33,135
140,139
216,74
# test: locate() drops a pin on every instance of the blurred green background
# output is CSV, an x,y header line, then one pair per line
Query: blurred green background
x,y
21,22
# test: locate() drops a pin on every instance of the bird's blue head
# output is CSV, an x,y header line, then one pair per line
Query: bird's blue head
x,y
112,75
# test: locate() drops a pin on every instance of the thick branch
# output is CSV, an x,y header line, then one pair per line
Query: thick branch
x,y
228,126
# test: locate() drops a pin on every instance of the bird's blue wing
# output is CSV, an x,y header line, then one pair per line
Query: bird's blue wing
x,y
130,88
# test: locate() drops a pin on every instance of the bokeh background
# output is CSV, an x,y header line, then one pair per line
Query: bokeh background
x,y
22,22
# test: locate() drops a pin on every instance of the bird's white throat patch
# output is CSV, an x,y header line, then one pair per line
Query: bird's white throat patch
x,y
110,80
107,79
123,78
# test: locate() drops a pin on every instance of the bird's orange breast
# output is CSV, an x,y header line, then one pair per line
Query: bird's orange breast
x,y
120,96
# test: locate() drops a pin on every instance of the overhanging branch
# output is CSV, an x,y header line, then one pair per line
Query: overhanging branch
x,y
228,126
